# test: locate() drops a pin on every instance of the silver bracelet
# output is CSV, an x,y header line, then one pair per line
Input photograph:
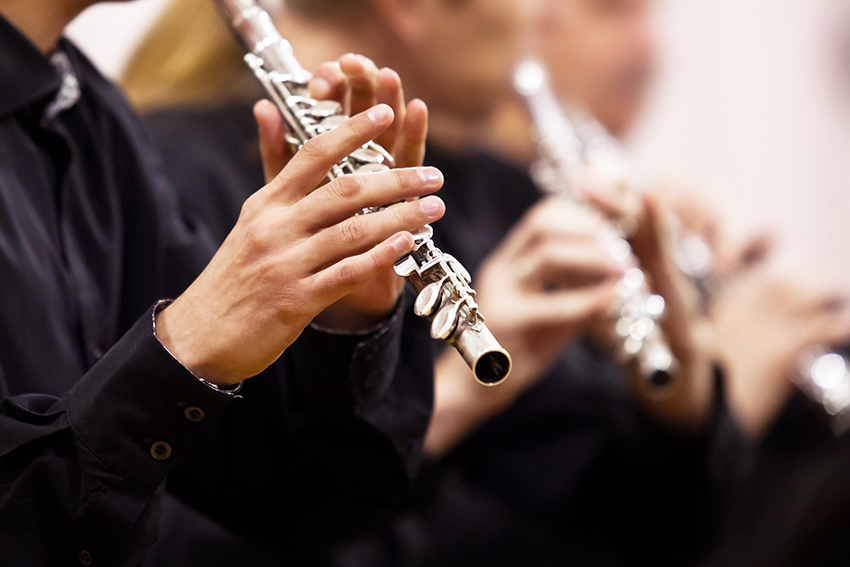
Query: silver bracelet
x,y
231,391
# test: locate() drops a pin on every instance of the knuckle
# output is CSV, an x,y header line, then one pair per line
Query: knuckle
x,y
352,231
250,208
316,148
403,178
406,215
347,187
258,236
347,276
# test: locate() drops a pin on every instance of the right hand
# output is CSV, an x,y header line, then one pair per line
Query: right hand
x,y
294,251
551,275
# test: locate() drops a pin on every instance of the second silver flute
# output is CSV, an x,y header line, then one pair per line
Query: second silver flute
x,y
563,158
444,294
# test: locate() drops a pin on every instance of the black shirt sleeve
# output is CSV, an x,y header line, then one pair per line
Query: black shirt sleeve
x,y
320,445
80,474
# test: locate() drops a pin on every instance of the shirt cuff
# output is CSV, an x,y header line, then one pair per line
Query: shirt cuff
x,y
138,409
159,306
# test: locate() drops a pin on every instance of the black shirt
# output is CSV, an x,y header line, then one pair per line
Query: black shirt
x,y
94,413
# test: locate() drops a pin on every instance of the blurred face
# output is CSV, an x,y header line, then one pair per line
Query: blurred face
x,y
465,58
599,54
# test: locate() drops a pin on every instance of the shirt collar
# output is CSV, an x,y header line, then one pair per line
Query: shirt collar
x,y
26,75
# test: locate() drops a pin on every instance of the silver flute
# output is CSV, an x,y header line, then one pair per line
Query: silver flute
x,y
444,295
565,152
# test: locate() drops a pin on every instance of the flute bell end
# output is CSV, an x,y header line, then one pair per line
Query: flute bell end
x,y
492,368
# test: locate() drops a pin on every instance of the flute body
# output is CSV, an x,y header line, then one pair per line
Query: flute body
x,y
444,294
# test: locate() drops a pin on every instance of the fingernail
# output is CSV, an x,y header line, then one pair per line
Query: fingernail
x,y
430,175
379,114
431,206
320,87
403,244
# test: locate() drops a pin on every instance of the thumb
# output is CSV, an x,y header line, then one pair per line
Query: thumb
x,y
274,149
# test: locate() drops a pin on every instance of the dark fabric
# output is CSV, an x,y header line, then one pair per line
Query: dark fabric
x,y
90,236
212,157
794,506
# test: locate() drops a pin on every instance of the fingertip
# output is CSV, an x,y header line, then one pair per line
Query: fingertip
x,y
351,63
431,176
388,77
432,206
269,124
263,111
402,243
320,88
417,105
380,114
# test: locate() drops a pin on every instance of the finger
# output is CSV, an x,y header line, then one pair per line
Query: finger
x,y
652,250
551,218
330,83
352,273
358,234
833,331
614,203
830,304
569,307
753,252
315,158
410,145
389,92
362,75
575,262
350,194
274,150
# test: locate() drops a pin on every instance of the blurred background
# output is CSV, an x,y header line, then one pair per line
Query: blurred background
x,y
751,108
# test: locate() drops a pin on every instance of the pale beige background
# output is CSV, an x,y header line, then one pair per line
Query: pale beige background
x,y
752,106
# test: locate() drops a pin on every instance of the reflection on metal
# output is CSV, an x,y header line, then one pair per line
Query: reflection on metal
x,y
825,377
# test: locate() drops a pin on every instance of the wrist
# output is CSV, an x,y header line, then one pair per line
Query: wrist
x,y
184,347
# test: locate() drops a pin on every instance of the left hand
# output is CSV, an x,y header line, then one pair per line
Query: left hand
x,y
358,84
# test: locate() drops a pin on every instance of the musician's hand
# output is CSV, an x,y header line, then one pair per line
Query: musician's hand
x,y
697,217
763,323
686,403
551,274
294,251
359,85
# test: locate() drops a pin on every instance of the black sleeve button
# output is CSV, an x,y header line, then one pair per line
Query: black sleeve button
x,y
195,414
160,450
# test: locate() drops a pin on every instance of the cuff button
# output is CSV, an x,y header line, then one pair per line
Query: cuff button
x,y
160,450
194,414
